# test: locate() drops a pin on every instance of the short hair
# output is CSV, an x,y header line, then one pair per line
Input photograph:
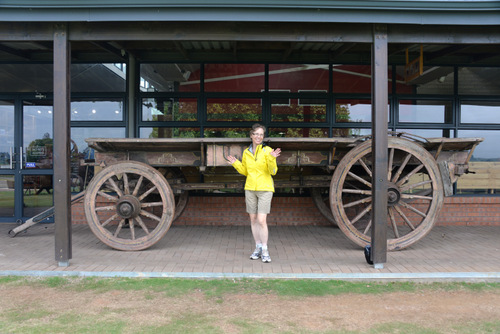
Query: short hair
x,y
257,126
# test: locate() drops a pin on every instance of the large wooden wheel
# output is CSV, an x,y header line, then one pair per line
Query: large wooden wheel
x,y
129,206
321,198
415,193
175,175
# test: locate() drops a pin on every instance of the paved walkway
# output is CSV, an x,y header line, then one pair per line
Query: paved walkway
x,y
447,253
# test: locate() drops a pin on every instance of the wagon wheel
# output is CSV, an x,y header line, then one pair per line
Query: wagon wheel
x,y
129,206
175,175
321,199
415,193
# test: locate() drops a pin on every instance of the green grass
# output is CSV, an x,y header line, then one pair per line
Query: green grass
x,y
218,287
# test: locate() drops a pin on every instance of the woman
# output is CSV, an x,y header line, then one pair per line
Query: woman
x,y
258,164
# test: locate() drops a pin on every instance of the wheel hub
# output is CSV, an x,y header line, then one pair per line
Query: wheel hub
x,y
128,207
393,195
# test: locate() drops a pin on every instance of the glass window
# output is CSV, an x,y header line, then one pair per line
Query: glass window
x,y
299,132
484,163
425,111
6,133
41,186
295,77
234,77
38,135
7,195
478,81
234,109
429,133
97,110
480,112
170,77
169,109
434,80
31,78
299,110
351,132
354,110
98,77
352,79
167,132
227,132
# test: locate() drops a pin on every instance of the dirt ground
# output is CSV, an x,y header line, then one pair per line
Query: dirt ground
x,y
429,309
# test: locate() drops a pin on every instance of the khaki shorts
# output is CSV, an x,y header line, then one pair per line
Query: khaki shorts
x,y
258,201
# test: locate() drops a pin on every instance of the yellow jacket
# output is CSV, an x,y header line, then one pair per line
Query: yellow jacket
x,y
258,168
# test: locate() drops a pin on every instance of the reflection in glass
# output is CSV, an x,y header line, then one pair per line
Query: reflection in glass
x,y
350,132
234,77
478,81
6,134
352,79
81,174
168,132
37,136
97,110
169,109
485,163
226,109
429,133
298,132
37,194
354,110
295,77
227,132
303,110
6,195
170,77
434,80
98,77
480,112
425,111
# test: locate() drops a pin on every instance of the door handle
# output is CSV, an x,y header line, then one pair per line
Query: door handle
x,y
21,157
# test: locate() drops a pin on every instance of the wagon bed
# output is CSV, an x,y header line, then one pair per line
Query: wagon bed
x,y
144,183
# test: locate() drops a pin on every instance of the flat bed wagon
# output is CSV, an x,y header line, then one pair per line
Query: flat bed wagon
x,y
143,184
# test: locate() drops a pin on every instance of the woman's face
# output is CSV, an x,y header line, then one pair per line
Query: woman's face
x,y
257,136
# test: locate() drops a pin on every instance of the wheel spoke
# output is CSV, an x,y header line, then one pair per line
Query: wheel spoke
x,y
126,190
107,196
109,220
393,222
409,207
132,228
147,193
151,204
361,201
401,213
409,196
407,177
141,223
389,165
401,168
138,186
356,191
367,228
367,169
115,186
414,185
368,184
119,228
150,215
105,208
361,214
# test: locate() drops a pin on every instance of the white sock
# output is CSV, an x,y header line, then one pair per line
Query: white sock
x,y
258,246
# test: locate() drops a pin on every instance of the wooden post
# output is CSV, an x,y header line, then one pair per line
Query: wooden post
x,y
380,145
61,181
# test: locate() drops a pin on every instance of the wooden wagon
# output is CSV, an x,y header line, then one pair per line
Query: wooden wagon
x,y
144,183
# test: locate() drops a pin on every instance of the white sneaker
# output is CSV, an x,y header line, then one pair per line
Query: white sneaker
x,y
256,253
266,258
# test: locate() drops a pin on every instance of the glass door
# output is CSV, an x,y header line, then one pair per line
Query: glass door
x,y
7,160
36,156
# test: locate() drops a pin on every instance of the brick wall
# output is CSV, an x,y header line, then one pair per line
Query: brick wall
x,y
211,210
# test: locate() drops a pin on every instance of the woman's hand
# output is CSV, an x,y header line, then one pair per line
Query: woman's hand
x,y
231,159
276,153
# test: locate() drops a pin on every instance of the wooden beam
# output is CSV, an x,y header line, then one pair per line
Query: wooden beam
x,y
61,183
379,145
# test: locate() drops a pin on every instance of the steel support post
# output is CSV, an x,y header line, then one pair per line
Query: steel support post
x,y
380,145
61,157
